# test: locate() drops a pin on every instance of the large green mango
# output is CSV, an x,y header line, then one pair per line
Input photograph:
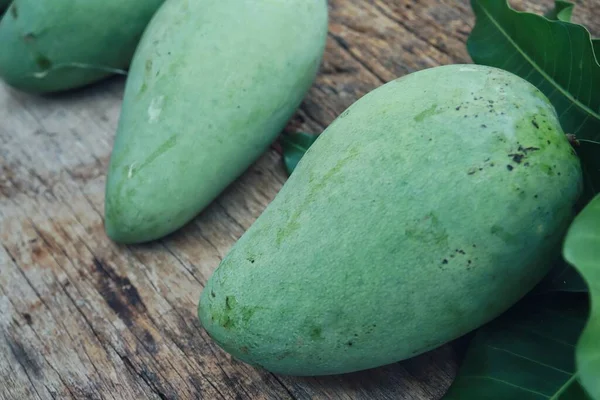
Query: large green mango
x,y
55,45
427,208
211,86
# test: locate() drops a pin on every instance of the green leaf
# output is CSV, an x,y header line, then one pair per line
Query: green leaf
x,y
555,56
526,354
589,153
294,146
562,11
582,250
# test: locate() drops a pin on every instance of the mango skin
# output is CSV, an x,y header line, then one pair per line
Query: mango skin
x,y
425,210
56,45
211,86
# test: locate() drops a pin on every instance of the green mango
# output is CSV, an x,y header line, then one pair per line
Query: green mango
x,y
212,84
56,45
426,209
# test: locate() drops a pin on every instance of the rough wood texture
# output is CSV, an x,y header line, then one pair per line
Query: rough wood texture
x,y
81,317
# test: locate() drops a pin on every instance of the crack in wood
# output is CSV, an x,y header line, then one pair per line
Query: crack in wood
x,y
346,47
408,28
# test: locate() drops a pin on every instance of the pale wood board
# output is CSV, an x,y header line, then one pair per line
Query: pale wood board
x,y
84,318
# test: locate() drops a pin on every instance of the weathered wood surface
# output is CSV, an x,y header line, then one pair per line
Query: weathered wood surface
x,y
84,318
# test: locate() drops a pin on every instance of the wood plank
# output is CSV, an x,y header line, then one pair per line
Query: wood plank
x,y
84,318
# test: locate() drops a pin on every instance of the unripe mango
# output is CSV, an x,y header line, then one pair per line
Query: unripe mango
x,y
426,209
212,84
55,45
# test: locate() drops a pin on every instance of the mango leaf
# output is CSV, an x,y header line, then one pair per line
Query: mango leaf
x,y
589,153
526,354
556,56
294,146
562,11
582,250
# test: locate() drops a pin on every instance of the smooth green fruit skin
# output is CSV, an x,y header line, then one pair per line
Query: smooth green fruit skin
x,y
426,209
56,45
211,86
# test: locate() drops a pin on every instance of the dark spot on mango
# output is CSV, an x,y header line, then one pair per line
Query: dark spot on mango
x,y
43,62
247,313
349,344
143,88
444,261
29,37
509,167
517,157
13,11
244,349
426,113
535,124
505,236
226,322
230,302
212,293
316,333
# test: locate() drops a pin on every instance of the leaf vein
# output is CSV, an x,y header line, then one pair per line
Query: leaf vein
x,y
545,396
529,359
520,51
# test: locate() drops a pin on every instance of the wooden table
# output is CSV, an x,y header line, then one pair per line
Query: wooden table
x,y
82,317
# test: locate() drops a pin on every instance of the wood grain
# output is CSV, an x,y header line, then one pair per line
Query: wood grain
x,y
84,318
